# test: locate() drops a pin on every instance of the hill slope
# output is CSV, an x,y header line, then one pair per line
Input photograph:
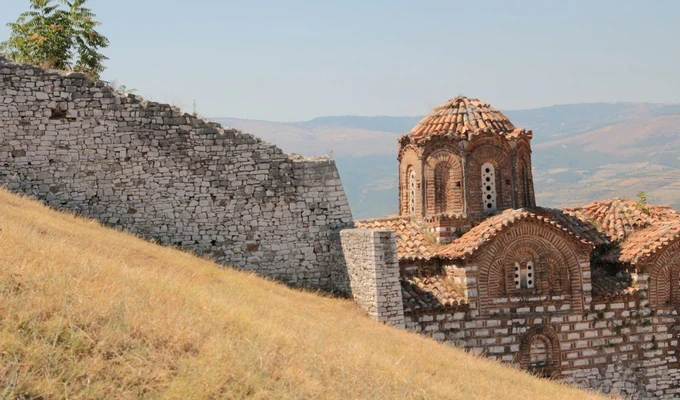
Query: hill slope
x,y
88,312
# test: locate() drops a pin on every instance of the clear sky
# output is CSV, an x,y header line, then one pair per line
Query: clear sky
x,y
298,59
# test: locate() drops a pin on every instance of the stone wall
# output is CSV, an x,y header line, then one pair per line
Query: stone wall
x,y
152,170
373,273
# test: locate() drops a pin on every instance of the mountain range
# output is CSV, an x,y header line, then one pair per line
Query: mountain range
x,y
581,152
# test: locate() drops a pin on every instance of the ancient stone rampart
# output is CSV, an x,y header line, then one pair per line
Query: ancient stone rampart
x,y
150,169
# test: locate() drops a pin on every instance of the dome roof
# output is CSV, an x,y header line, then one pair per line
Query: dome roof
x,y
462,117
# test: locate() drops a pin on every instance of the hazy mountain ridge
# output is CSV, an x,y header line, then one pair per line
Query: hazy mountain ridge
x,y
581,152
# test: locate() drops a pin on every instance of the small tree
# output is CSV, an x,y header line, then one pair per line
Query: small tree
x,y
641,204
60,36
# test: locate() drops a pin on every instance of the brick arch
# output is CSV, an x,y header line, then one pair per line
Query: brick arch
x,y
410,159
496,281
664,278
437,144
544,241
547,261
499,157
408,148
443,177
540,335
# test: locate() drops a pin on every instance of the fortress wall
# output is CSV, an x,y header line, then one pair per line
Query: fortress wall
x,y
152,170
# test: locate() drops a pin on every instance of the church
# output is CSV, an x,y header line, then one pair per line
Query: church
x,y
588,295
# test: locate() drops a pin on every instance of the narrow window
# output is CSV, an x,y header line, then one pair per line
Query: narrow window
x,y
524,275
411,191
489,187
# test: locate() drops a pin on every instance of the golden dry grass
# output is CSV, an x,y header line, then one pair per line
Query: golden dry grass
x,y
89,312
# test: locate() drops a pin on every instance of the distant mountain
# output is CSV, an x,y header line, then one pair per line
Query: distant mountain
x,y
581,152
396,125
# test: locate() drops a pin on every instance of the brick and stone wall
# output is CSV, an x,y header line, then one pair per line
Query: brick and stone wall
x,y
150,169
373,273
619,347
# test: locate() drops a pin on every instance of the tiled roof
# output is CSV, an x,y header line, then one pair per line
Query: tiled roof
x,y
411,242
583,229
607,286
645,243
429,292
619,218
462,117
481,234
638,233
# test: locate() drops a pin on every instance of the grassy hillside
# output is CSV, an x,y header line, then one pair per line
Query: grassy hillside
x,y
89,312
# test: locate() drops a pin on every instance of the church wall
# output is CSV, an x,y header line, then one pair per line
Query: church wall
x,y
619,347
560,275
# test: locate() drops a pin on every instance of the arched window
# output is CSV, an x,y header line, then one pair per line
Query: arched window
x,y
489,187
411,190
442,173
524,275
539,351
538,354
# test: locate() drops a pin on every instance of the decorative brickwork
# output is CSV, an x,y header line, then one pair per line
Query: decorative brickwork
x,y
486,152
410,167
542,247
443,183
539,351
588,295
451,150
664,275
524,176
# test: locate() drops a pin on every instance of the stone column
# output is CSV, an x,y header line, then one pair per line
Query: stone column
x,y
373,270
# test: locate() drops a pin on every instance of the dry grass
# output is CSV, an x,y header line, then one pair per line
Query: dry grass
x,y
88,312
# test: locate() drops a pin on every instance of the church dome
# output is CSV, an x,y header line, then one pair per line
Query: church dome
x,y
463,117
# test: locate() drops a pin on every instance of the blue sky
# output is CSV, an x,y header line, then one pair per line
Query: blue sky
x,y
295,60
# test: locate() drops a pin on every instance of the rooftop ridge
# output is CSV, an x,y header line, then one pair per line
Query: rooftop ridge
x,y
482,233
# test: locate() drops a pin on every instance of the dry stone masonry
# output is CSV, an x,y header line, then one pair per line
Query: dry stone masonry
x,y
168,176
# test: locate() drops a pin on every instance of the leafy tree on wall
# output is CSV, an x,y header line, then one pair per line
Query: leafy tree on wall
x,y
57,35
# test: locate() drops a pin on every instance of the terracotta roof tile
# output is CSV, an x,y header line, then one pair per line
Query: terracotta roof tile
x,y
463,118
411,242
481,234
607,286
619,218
638,233
430,292
644,243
